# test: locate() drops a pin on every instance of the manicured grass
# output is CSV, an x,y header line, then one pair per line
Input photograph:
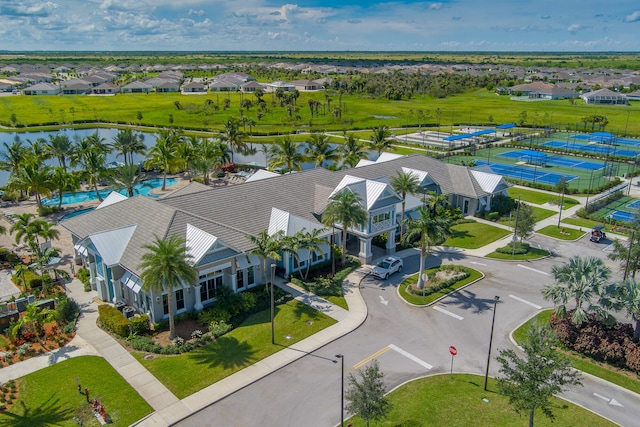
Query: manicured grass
x,y
534,253
540,198
473,235
50,396
538,215
424,300
247,344
624,379
337,300
588,224
458,401
554,231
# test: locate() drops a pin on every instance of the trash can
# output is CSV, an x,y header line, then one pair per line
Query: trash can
x,y
129,312
120,306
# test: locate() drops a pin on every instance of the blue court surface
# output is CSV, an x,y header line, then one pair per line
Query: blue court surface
x,y
622,216
532,156
607,139
525,173
593,148
634,205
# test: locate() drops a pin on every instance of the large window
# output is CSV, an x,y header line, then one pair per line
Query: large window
x,y
180,299
165,304
240,278
209,283
382,217
251,277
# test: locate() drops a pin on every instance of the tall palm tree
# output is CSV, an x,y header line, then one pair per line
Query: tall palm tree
x,y
311,241
13,156
127,176
30,231
352,151
93,161
163,154
185,154
583,280
63,180
208,155
345,209
60,147
405,183
319,151
267,247
284,152
379,140
33,177
233,137
430,230
127,143
165,266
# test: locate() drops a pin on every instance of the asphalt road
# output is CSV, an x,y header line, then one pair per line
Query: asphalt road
x,y
410,342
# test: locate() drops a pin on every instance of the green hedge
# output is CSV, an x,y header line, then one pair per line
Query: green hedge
x,y
432,289
521,248
112,319
140,325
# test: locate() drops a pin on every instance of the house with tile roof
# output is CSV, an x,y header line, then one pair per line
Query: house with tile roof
x,y
216,222
605,97
41,89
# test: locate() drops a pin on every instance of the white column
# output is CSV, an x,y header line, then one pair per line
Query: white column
x,y
391,242
198,305
365,249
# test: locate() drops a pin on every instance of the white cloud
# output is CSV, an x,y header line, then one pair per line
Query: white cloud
x,y
634,17
199,12
435,6
574,28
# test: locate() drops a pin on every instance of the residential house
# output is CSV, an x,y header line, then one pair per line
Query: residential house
x,y
41,89
168,86
194,87
307,85
75,87
137,87
605,97
107,88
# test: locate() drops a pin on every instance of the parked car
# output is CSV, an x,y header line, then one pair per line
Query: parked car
x,y
597,233
387,267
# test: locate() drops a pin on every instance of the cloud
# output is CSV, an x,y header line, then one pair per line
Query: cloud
x,y
634,17
574,28
435,6
33,9
545,17
199,12
456,18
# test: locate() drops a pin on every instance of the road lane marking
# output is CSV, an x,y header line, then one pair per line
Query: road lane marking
x,y
477,263
382,300
410,356
536,306
448,313
370,358
533,269
612,402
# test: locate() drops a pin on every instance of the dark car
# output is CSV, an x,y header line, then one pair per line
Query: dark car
x,y
597,233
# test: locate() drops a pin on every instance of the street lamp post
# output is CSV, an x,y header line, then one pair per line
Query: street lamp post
x,y
515,229
273,276
493,321
341,357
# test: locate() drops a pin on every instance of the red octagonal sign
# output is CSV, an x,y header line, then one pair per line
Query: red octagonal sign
x,y
453,350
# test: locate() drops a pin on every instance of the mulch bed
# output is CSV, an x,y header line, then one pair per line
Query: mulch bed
x,y
55,340
184,328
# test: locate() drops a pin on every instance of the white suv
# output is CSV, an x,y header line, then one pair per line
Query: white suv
x,y
387,267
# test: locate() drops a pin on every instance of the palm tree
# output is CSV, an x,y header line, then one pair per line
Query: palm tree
x,y
62,181
185,154
267,247
34,178
126,176
403,183
233,137
128,143
165,266
430,230
60,147
626,296
163,154
284,152
93,161
38,318
319,150
344,208
208,155
13,156
379,140
352,151
582,279
311,241
30,231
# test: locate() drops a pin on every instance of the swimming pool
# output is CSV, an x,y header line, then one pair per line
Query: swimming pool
x,y
76,213
142,188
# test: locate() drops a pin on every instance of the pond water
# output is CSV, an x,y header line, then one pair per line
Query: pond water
x,y
259,158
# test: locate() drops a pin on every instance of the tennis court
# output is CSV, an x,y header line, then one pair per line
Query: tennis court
x,y
606,139
538,157
524,173
622,216
634,205
592,148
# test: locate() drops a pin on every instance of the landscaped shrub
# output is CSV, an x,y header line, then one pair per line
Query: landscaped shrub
x,y
215,313
521,248
67,310
197,334
142,343
492,216
112,319
462,273
84,276
218,329
140,324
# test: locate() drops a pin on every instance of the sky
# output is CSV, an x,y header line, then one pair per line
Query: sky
x,y
320,25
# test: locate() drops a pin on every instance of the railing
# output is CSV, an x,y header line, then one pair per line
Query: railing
x,y
381,225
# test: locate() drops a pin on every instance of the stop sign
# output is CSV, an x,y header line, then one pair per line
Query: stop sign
x,y
453,350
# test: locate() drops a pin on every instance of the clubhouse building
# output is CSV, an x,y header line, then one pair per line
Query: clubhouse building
x,y
216,222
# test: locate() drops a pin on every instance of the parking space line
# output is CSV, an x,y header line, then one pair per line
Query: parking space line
x,y
410,356
448,313
370,358
536,306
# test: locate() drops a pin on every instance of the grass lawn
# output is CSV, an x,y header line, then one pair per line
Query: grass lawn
x,y
540,198
624,379
473,235
554,231
427,299
339,301
458,401
538,215
50,396
249,343
534,253
588,224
